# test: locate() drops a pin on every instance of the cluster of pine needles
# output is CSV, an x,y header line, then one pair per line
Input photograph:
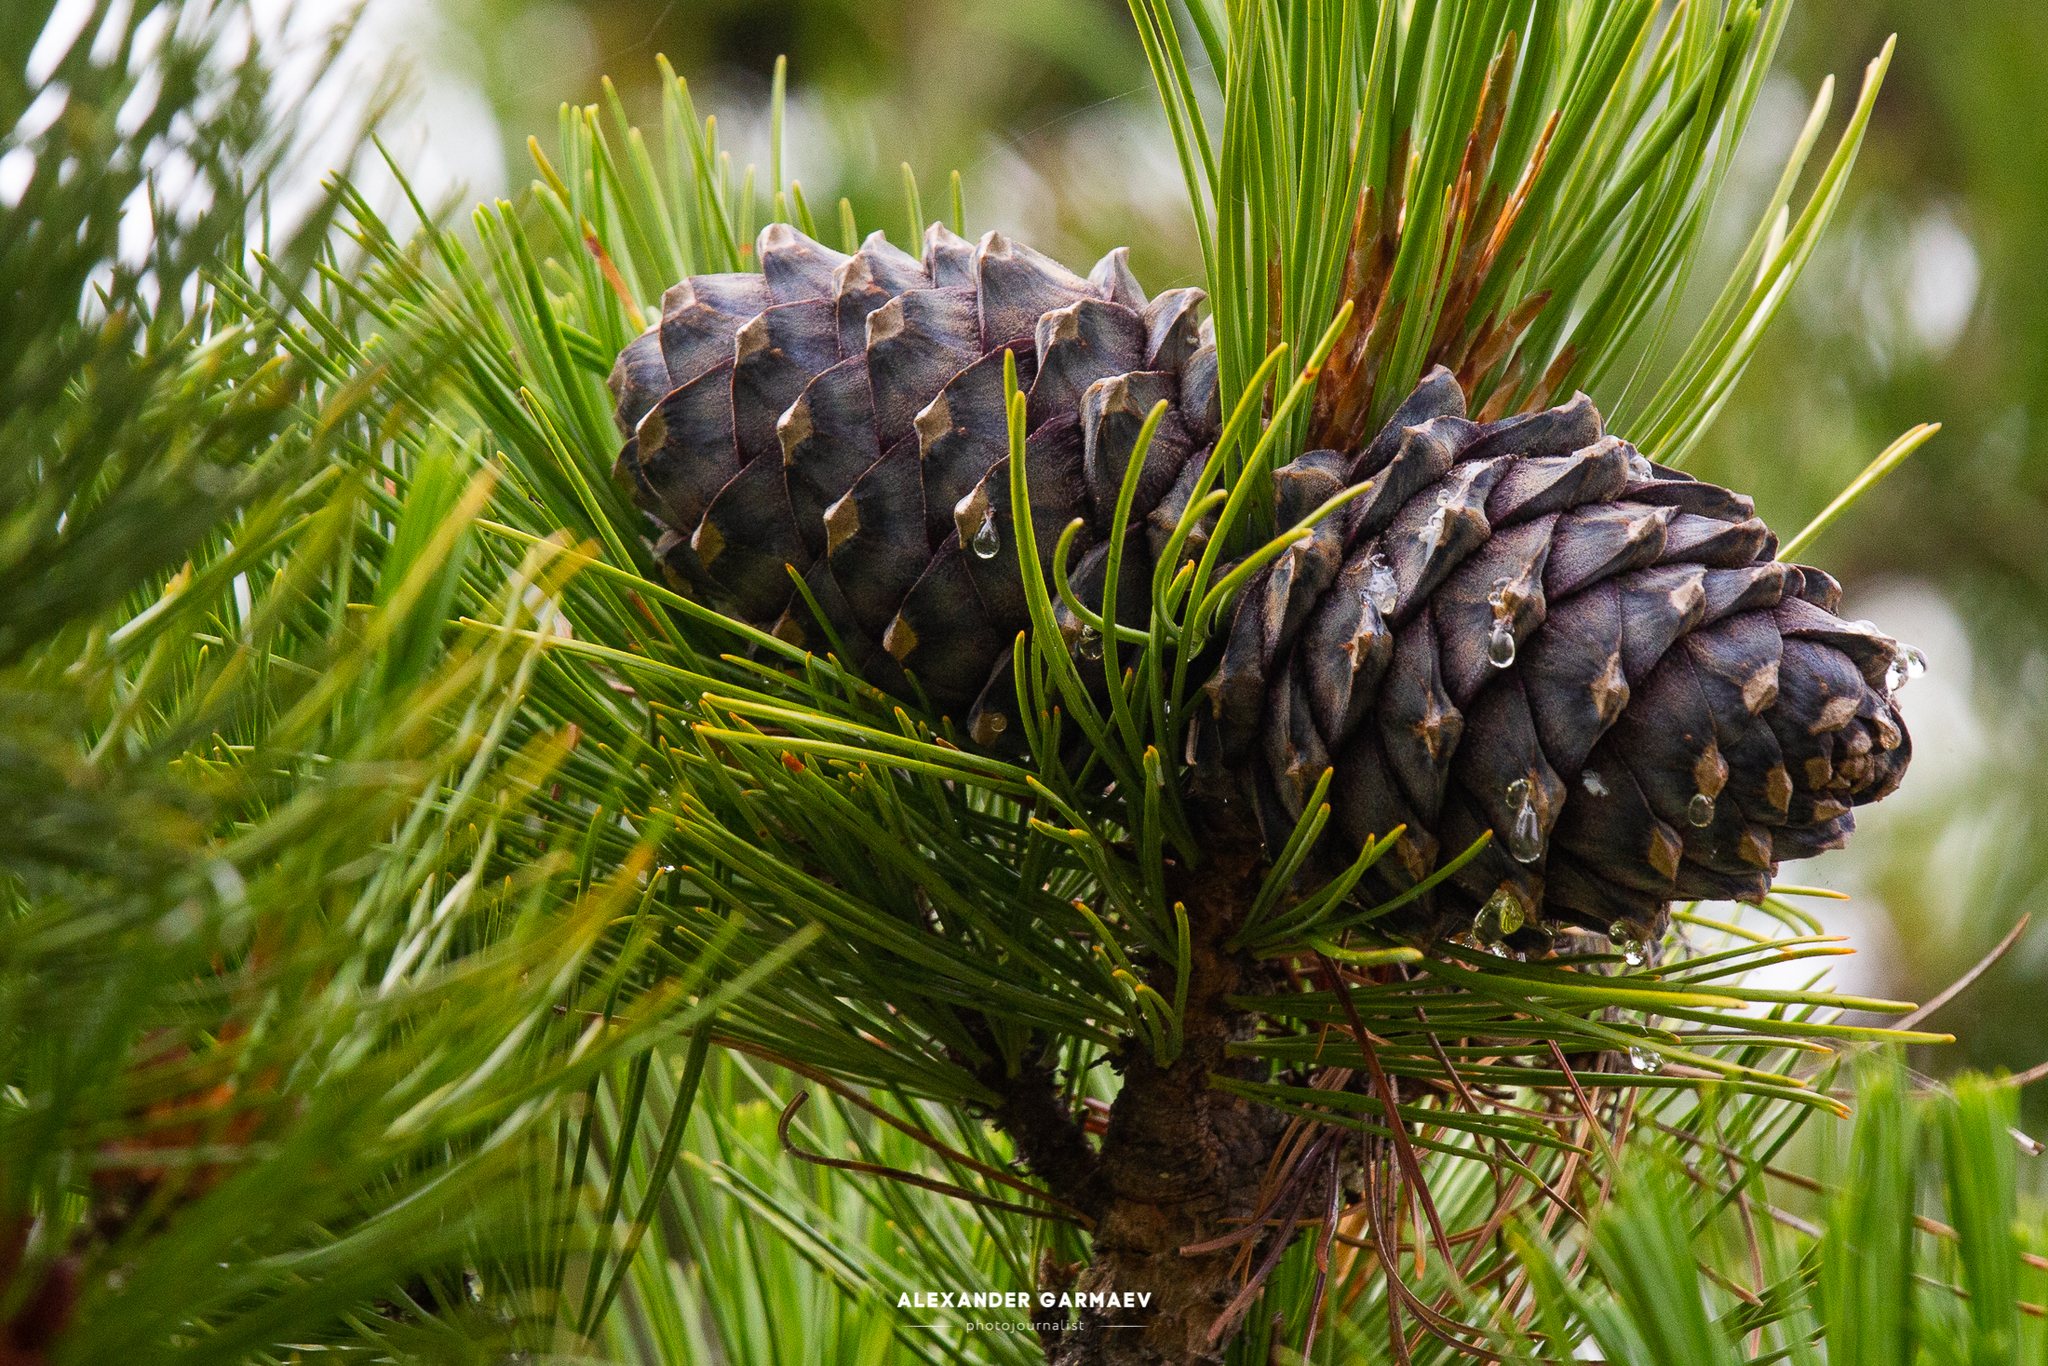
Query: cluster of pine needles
x,y
422,929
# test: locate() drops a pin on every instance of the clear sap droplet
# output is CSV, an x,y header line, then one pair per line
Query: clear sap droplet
x,y
987,541
1500,642
1639,466
1645,1060
1473,939
1381,589
1632,949
1700,810
1432,533
1907,664
1591,782
1500,917
1500,645
1089,646
1525,836
996,722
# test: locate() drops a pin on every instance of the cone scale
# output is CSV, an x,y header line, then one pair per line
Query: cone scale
x,y
1523,627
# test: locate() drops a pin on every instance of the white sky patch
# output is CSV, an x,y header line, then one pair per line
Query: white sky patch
x,y
42,111
441,129
1913,274
67,21
1942,275
17,168
1948,734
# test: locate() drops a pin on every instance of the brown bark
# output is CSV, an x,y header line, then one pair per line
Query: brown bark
x,y
1179,1160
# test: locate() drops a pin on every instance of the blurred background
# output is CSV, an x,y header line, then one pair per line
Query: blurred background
x,y
1928,302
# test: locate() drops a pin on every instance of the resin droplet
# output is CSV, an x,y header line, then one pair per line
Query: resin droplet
x,y
1632,949
1500,645
1500,917
1525,837
1645,1060
1908,664
1380,589
1639,467
987,541
1473,939
1505,601
1591,782
1089,646
1700,810
996,722
1432,533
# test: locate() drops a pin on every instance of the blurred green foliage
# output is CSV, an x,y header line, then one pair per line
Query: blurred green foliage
x,y
272,1060
1045,107
1930,304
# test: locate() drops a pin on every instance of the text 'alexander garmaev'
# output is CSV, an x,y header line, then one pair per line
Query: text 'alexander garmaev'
x,y
1022,1299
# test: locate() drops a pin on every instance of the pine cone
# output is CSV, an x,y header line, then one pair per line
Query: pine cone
x,y
1524,626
